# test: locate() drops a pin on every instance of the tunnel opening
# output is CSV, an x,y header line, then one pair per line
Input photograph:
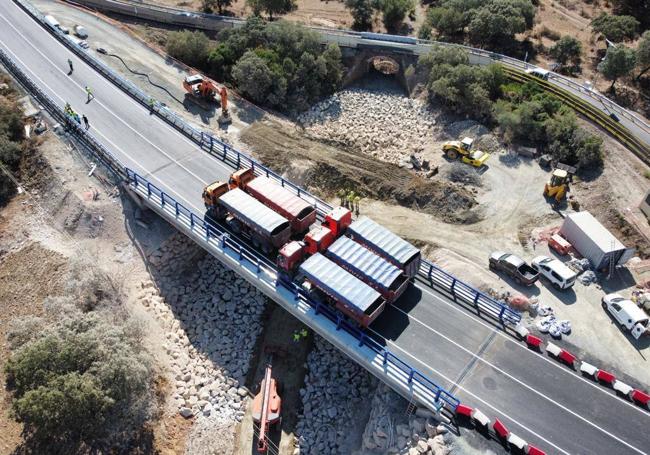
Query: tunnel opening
x,y
377,72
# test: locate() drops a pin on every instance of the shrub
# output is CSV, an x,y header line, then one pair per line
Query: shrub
x,y
271,7
640,9
446,21
462,87
189,47
567,49
615,28
394,11
619,62
84,379
362,11
643,54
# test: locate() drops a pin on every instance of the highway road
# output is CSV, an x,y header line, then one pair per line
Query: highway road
x,y
537,398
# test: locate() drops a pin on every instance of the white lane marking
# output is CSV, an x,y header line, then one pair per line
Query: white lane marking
x,y
494,408
205,182
525,349
175,161
523,384
95,130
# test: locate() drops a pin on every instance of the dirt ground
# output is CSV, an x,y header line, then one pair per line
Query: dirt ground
x,y
63,214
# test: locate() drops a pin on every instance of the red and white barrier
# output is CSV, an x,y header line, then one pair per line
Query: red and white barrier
x,y
499,429
622,388
606,377
640,397
588,369
533,342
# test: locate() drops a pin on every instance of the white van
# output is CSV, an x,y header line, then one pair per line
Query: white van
x,y
52,22
554,270
627,314
539,72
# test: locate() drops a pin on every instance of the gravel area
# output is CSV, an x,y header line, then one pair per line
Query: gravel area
x,y
385,125
335,402
213,319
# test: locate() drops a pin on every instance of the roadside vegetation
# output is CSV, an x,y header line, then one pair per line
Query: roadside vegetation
x,y
80,378
524,114
279,65
12,142
484,23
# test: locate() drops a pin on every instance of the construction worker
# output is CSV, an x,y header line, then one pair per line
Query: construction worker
x,y
85,119
152,103
67,109
90,94
303,332
70,65
296,336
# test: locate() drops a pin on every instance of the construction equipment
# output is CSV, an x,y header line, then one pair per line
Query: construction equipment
x,y
558,185
203,89
463,150
267,406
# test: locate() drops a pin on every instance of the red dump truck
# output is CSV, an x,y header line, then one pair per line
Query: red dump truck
x,y
350,295
298,211
243,213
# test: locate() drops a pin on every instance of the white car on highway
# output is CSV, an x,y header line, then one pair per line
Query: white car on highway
x,y
554,270
627,314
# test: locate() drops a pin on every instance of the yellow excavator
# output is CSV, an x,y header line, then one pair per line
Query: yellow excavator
x,y
558,185
463,149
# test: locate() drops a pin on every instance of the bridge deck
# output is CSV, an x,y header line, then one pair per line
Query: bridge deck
x,y
539,400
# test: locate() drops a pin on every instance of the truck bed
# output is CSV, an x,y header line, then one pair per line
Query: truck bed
x,y
369,267
385,243
357,297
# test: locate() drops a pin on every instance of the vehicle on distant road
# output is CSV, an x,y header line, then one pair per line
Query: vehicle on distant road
x,y
554,270
80,31
513,266
627,314
539,72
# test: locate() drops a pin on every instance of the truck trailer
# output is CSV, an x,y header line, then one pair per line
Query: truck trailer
x,y
298,211
369,267
386,244
243,213
346,292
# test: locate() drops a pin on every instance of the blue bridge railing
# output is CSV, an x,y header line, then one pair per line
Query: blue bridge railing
x,y
214,235
237,160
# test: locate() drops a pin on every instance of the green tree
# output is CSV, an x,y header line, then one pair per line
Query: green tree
x,y
446,21
498,21
362,12
640,9
191,47
643,54
567,49
253,76
271,7
619,62
615,28
394,11
208,6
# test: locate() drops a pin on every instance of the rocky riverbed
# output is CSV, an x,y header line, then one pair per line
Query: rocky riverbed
x,y
335,402
385,125
212,319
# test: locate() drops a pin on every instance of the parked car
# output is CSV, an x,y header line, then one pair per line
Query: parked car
x,y
80,31
627,314
554,270
514,266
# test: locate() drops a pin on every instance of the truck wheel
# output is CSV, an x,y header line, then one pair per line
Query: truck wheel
x,y
604,305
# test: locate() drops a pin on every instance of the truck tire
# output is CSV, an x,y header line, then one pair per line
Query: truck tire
x,y
604,305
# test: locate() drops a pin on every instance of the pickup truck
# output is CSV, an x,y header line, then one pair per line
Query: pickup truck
x,y
627,314
514,266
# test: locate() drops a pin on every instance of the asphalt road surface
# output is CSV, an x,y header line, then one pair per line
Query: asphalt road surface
x,y
537,398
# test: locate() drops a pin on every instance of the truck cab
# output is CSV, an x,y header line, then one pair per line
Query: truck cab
x,y
627,314
239,179
338,220
211,194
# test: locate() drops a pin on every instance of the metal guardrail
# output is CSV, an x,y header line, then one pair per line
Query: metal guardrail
x,y
237,160
343,37
215,236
